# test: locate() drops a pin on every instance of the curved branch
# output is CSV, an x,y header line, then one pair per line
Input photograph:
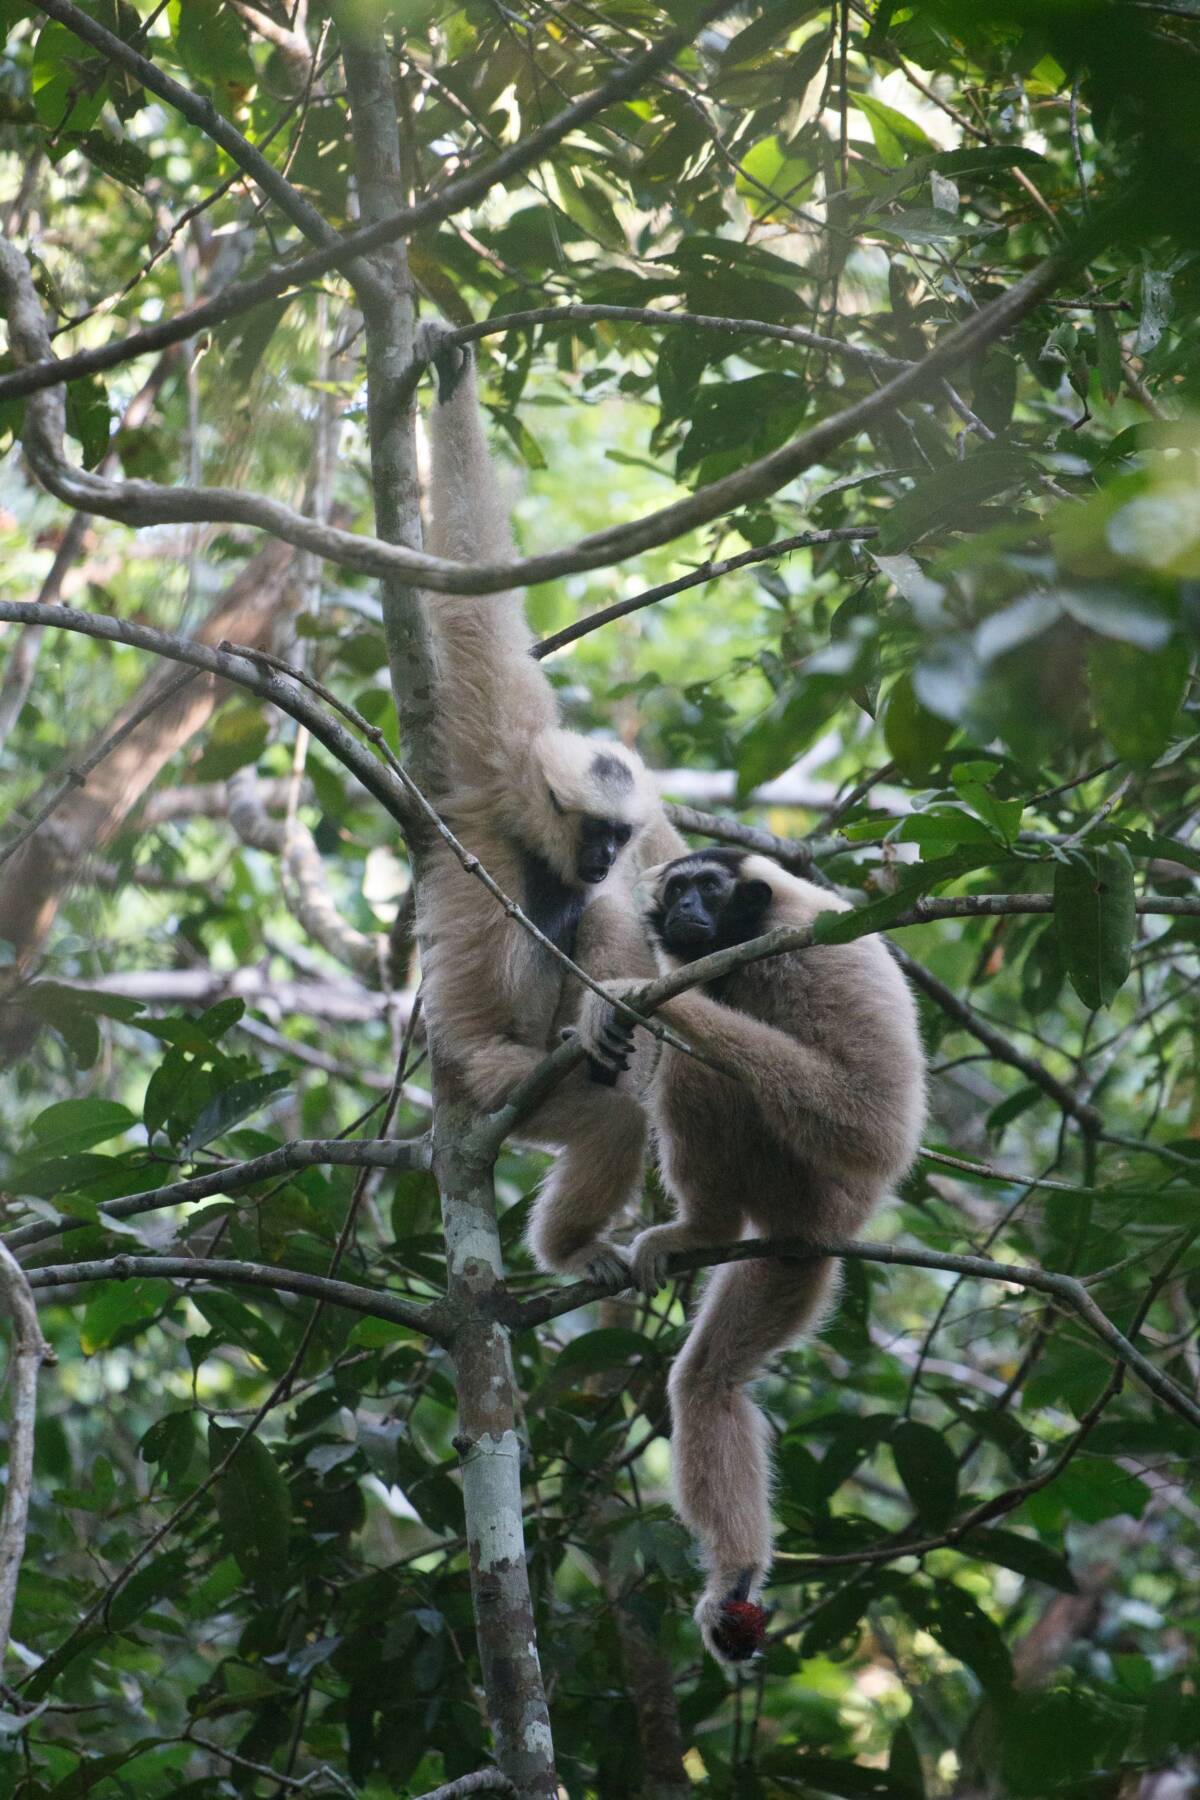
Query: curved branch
x,y
240,297
1065,1288
148,503
375,1303
577,313
244,668
302,1153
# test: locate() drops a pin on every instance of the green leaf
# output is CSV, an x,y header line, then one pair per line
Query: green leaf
x,y
962,1627
972,783
88,417
234,1322
951,495
212,45
67,81
1136,696
836,1618
914,736
170,1443
163,1576
254,1510
238,737
120,1309
1094,915
896,137
234,1103
904,1763
928,1469
72,1125
845,1780
1025,1555
216,1020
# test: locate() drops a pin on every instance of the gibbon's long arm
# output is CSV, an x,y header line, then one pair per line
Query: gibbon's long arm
x,y
818,1105
493,692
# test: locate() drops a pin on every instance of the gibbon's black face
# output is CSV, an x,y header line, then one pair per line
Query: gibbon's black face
x,y
705,904
601,841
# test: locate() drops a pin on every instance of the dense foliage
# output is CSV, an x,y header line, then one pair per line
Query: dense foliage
x,y
978,680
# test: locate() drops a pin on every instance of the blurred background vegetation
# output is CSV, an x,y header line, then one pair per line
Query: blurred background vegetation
x,y
985,686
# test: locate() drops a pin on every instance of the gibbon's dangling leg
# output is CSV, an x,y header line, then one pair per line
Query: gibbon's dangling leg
x,y
819,1114
720,1442
558,819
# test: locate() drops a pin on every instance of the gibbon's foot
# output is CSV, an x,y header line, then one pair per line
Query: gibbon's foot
x,y
733,1625
648,1255
604,1034
606,1265
432,343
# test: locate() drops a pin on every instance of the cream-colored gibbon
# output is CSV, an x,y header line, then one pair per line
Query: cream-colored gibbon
x,y
818,1117
561,821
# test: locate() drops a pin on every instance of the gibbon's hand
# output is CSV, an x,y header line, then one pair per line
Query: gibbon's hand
x,y
432,345
604,1034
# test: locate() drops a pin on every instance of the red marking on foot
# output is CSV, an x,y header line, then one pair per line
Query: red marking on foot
x,y
740,1631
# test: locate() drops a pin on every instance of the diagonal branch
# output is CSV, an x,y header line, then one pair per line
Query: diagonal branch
x,y
375,1303
1067,1289
240,297
530,1092
149,503
301,1153
199,111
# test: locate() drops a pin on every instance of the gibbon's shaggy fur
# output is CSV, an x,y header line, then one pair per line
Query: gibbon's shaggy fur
x,y
562,822
824,1117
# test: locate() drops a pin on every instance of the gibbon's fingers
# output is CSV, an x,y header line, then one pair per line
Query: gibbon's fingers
x,y
449,360
609,1268
648,1255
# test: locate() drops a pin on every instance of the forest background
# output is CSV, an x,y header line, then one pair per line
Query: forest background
x,y
934,645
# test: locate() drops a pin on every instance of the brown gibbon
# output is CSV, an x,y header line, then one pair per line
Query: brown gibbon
x,y
562,822
821,1117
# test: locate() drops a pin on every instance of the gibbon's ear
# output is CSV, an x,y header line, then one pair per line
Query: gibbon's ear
x,y
759,893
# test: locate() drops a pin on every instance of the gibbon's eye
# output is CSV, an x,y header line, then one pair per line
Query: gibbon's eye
x,y
710,884
672,890
622,833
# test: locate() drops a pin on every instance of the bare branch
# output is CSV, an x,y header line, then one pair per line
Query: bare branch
x,y
375,1303
796,854
528,1093
210,800
78,773
28,1350
240,297
240,666
301,1153
343,1002
709,571
148,503
482,1781
1064,1288
579,314
1000,1046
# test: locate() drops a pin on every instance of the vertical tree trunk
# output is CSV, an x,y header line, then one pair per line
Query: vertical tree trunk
x,y
488,1441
